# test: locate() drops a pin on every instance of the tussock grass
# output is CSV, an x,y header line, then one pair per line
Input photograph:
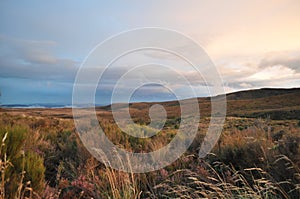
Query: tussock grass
x,y
229,183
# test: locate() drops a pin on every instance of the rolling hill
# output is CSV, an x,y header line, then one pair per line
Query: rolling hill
x,y
266,102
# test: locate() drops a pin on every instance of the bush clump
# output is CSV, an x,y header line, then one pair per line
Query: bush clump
x,y
23,170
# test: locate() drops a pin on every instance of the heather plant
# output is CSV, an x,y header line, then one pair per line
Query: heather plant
x,y
260,160
64,157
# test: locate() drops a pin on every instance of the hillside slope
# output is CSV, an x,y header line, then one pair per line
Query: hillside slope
x,y
273,103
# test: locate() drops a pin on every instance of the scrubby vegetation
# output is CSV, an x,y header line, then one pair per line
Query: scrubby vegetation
x,y
22,169
254,158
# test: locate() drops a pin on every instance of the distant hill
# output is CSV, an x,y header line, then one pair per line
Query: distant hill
x,y
266,102
261,93
278,104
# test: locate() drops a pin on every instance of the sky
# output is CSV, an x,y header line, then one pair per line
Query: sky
x,y
253,44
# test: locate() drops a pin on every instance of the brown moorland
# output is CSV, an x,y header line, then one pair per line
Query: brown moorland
x,y
257,155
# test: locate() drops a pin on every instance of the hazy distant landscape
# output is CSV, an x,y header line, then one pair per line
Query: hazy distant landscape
x,y
257,156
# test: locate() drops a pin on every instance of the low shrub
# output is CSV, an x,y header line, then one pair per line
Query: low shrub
x,y
25,169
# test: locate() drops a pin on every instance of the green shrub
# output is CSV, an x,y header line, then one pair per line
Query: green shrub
x,y
24,166
34,168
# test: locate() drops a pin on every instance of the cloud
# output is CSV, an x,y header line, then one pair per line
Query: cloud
x,y
34,60
274,72
274,69
287,59
253,44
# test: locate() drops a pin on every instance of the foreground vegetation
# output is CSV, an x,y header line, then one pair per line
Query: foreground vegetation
x,y
254,158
